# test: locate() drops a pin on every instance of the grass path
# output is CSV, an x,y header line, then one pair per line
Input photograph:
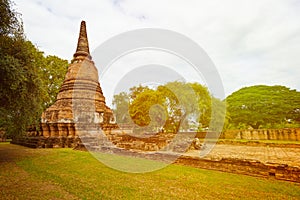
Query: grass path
x,y
68,174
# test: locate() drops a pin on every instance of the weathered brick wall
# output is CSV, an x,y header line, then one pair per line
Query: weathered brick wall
x,y
60,135
247,167
47,142
289,134
157,141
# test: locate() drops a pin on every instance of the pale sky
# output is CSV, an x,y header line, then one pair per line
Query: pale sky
x,y
251,42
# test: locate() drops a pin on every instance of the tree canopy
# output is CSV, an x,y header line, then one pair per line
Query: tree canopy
x,y
263,106
173,106
10,23
52,72
28,80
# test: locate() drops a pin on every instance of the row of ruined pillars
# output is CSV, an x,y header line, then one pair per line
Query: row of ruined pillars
x,y
57,129
66,129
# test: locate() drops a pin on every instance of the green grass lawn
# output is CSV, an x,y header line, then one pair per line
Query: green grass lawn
x,y
4,142
69,174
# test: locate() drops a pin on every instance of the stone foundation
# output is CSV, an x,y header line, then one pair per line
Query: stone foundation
x,y
59,135
47,142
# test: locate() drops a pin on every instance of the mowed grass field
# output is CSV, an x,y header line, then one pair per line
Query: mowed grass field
x,y
68,174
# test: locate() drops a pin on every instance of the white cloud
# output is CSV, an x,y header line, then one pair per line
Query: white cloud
x,y
251,42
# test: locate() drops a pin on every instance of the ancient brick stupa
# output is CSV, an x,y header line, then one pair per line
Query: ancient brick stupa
x,y
80,102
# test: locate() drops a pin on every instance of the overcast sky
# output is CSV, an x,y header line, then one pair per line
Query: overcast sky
x,y
250,41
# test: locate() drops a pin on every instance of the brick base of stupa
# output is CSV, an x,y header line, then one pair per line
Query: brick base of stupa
x,y
60,135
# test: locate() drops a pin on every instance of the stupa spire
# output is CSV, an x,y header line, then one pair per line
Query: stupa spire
x,y
83,44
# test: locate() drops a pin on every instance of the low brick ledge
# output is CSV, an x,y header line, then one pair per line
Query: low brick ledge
x,y
246,167
260,143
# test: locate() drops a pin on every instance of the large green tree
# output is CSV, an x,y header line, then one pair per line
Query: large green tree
x,y
263,106
185,103
18,82
173,106
52,73
20,85
146,109
28,81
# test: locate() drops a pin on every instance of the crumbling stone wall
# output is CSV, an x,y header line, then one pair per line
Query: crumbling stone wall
x,y
58,135
288,134
247,167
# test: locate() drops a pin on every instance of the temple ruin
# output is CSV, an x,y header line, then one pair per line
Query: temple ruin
x,y
80,105
80,99
80,118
